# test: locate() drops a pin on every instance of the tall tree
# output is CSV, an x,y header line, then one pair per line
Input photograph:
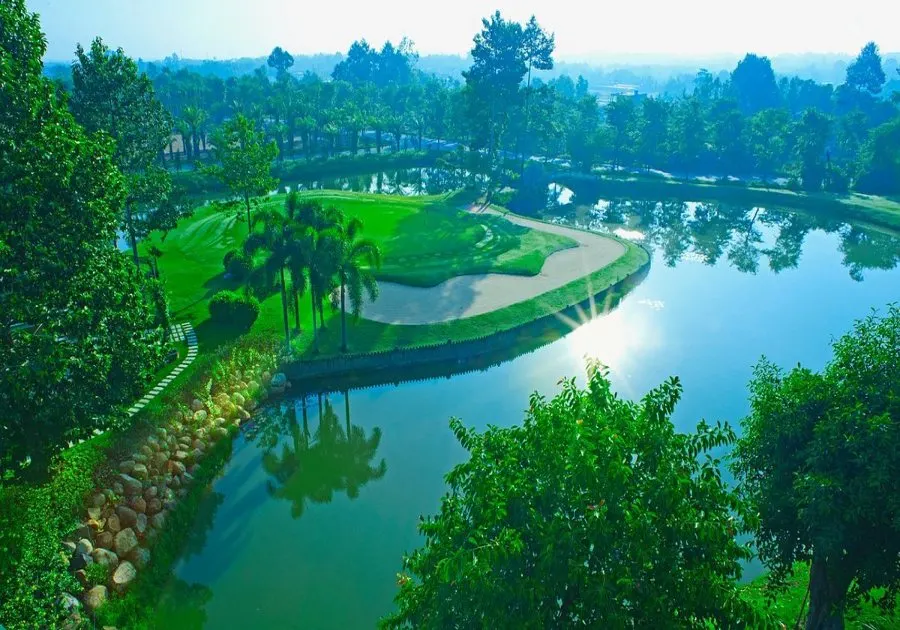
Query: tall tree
x,y
865,74
816,464
753,83
244,161
652,130
110,95
77,338
812,132
358,258
537,51
281,61
620,115
594,512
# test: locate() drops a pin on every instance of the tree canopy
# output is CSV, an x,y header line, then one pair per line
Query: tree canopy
x,y
594,512
753,82
818,463
865,73
77,334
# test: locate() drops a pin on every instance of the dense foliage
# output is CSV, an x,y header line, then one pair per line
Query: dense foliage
x,y
818,462
234,309
594,512
77,335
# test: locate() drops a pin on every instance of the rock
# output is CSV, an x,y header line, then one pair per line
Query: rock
x,y
158,520
253,386
140,557
179,456
170,504
96,524
105,557
123,576
187,477
181,493
161,433
95,597
118,489
152,445
219,432
250,405
125,541
196,455
151,492
113,524
104,540
266,376
69,602
139,458
243,414
140,471
127,516
98,500
140,527
199,445
238,399
139,504
79,561
83,531
176,467
154,505
176,481
68,547
200,416
125,467
279,380
132,485
84,546
146,450
81,576
159,459
94,513
197,405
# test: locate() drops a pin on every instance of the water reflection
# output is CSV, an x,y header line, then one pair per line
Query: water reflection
x,y
747,237
407,182
311,467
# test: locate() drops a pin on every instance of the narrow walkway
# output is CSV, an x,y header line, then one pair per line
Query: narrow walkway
x,y
179,332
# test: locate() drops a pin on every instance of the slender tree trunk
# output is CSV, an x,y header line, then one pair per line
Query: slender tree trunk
x,y
827,591
284,311
296,308
132,237
343,319
247,203
312,297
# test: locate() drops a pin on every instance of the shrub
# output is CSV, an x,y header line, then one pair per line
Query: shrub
x,y
237,264
234,309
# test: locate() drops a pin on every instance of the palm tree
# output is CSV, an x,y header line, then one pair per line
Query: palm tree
x,y
280,238
321,253
194,118
357,258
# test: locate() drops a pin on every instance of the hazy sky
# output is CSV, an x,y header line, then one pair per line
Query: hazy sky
x,y
237,28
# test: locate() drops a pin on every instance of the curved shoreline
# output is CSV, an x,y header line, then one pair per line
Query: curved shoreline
x,y
468,296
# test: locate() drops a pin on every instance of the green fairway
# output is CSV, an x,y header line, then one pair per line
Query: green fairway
x,y
424,241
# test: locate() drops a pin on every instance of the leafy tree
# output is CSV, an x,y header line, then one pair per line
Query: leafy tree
x,y
76,320
816,464
110,95
688,133
357,259
594,512
652,130
865,74
280,60
620,115
880,162
537,51
322,250
245,161
812,133
768,135
753,83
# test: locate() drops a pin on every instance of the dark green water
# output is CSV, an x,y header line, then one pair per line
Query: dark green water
x,y
306,528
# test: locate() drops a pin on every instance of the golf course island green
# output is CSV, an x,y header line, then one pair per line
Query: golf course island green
x,y
449,271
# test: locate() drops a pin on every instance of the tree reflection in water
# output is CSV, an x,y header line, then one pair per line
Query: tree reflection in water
x,y
312,467
744,236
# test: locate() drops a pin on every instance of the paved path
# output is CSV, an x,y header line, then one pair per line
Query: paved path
x,y
180,332
467,296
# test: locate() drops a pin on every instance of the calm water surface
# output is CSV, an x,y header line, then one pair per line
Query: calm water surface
x,y
306,527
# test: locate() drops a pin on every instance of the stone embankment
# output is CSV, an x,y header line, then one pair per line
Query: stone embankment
x,y
125,514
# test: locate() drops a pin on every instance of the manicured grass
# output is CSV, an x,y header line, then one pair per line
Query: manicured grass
x,y
424,241
787,604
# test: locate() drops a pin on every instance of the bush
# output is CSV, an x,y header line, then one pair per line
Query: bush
x,y
238,264
234,309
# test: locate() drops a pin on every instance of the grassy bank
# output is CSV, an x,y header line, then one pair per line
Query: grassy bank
x,y
424,241
793,604
875,211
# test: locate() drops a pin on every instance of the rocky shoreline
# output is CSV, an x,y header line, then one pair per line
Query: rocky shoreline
x,y
129,509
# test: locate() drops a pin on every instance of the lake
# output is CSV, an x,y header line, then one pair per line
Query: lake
x,y
306,527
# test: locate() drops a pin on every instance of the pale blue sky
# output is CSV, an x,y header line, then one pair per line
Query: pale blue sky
x,y
235,28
